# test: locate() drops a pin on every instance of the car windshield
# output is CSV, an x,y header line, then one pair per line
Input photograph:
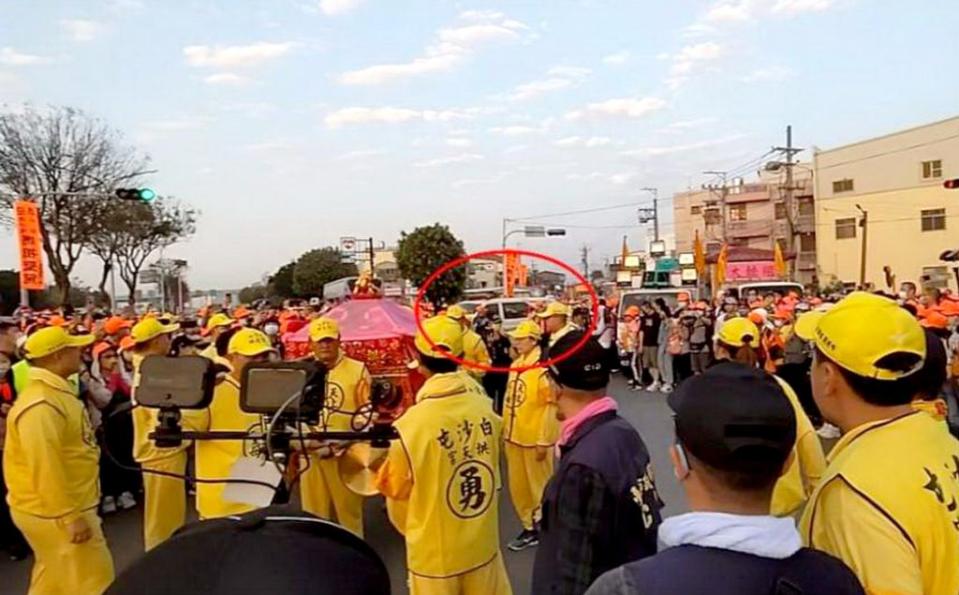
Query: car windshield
x,y
515,309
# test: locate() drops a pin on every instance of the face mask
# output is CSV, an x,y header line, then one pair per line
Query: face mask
x,y
271,329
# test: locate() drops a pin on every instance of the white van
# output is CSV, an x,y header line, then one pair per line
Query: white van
x,y
509,311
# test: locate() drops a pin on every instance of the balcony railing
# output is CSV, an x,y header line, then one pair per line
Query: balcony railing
x,y
749,229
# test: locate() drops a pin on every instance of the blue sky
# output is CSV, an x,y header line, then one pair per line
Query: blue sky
x,y
290,123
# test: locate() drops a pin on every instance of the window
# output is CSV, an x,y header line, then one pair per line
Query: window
x,y
695,210
845,228
806,207
842,186
512,310
807,242
932,169
780,210
737,212
934,220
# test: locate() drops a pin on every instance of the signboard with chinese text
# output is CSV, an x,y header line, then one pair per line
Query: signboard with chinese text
x,y
752,270
30,242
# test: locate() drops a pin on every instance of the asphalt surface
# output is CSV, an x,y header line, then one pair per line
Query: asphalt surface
x,y
646,411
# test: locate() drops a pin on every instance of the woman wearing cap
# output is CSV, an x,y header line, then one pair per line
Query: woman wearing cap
x,y
735,342
215,459
629,341
118,484
51,467
530,429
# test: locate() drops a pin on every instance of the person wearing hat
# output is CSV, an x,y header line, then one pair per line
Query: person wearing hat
x,y
734,431
115,328
348,384
164,497
215,458
215,326
886,504
51,468
441,477
556,322
600,509
530,429
474,349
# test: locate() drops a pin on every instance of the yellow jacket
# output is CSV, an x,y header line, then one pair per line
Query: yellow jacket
x,y
474,350
445,469
807,465
347,389
215,458
51,459
886,506
529,412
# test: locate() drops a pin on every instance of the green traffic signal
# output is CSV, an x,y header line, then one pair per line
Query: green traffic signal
x,y
147,194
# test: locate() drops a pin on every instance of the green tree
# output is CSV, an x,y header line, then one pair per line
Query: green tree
x,y
280,283
423,251
252,293
318,267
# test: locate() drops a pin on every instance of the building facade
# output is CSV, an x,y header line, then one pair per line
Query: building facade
x,y
484,273
753,215
897,179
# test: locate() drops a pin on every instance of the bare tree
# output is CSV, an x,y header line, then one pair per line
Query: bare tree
x,y
146,228
51,155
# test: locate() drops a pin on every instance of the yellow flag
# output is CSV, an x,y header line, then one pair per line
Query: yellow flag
x,y
625,251
721,262
779,262
699,255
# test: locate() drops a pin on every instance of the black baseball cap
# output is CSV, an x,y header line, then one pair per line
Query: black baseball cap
x,y
586,369
735,418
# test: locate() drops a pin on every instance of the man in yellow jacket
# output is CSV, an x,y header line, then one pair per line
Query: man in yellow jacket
x,y
215,458
530,430
51,468
887,503
474,348
322,490
215,326
164,497
444,473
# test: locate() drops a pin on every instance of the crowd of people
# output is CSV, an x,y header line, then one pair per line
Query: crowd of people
x,y
750,382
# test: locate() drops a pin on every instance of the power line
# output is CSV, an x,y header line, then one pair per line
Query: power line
x,y
579,212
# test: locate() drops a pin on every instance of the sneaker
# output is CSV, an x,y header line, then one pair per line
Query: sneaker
x,y
667,388
829,431
525,539
109,505
653,387
126,501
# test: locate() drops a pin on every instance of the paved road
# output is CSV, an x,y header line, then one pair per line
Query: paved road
x,y
646,411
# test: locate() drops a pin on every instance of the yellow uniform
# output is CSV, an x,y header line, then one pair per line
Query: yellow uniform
x,y
51,468
474,351
937,409
215,458
806,467
886,506
445,467
164,497
322,491
529,420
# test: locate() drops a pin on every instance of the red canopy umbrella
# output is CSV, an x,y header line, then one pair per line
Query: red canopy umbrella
x,y
367,320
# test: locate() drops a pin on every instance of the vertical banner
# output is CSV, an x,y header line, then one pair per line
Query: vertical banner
x,y
30,242
510,273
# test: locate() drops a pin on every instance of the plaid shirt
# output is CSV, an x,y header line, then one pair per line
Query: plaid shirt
x,y
583,509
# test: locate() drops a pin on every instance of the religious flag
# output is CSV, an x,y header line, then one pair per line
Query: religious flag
x,y
699,255
779,262
721,263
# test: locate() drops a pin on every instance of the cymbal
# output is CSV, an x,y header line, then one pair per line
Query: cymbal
x,y
358,466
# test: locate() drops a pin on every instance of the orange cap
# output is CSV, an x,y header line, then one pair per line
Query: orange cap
x,y
127,343
756,318
242,312
934,319
114,324
57,321
100,348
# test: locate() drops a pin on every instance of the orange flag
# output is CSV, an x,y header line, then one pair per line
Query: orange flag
x,y
721,262
625,252
30,240
699,255
779,262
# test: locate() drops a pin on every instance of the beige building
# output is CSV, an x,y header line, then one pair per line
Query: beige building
x,y
751,215
897,180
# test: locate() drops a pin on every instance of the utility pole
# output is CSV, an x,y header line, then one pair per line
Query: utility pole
x,y
647,215
585,253
788,197
722,199
863,223
372,260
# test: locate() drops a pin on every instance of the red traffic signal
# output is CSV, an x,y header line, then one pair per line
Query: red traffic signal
x,y
952,184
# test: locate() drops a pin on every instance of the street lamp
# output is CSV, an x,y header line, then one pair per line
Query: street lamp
x,y
532,231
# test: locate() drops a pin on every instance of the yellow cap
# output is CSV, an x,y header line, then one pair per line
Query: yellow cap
x,y
150,328
734,331
324,328
249,342
861,330
218,320
555,309
456,312
527,330
445,332
52,339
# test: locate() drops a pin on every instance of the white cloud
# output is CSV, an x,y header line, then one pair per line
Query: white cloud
x,y
459,142
770,74
441,161
617,58
558,78
514,130
451,46
228,79
794,7
689,124
589,143
81,29
360,154
741,10
690,59
11,57
670,150
236,56
394,115
336,7
621,179
625,107
697,30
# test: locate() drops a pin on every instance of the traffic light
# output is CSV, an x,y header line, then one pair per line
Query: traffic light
x,y
952,184
137,194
